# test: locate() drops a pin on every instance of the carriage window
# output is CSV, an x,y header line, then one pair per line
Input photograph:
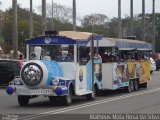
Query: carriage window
x,y
59,53
83,54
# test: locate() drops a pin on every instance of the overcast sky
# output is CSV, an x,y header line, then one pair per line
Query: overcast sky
x,y
84,7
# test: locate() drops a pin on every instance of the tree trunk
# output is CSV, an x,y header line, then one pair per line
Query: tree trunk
x,y
74,15
31,20
143,20
44,21
119,20
153,41
14,29
131,19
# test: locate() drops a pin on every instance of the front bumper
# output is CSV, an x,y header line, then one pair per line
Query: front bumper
x,y
50,91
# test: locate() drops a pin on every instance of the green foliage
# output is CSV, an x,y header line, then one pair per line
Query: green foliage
x,y
23,31
98,23
1,41
109,28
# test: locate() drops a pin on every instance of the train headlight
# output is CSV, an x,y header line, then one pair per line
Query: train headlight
x,y
17,81
55,81
32,74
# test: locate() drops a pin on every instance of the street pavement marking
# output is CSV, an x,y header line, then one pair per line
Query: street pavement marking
x,y
71,108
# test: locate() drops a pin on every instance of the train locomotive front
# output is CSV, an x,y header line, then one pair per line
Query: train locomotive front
x,y
40,78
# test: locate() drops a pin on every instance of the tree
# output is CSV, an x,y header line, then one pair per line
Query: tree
x,y
60,15
60,12
96,19
95,22
113,28
157,32
23,26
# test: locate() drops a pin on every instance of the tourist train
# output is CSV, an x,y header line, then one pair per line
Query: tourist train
x,y
70,63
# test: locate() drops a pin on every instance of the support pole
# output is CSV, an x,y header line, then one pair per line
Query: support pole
x,y
74,15
44,21
31,20
143,20
131,19
14,30
153,41
119,20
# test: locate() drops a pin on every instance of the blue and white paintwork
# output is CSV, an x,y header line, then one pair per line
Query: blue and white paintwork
x,y
67,73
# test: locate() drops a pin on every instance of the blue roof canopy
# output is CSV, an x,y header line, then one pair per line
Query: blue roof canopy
x,y
64,37
125,44
131,46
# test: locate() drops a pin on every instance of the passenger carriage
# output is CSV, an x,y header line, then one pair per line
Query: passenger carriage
x,y
129,73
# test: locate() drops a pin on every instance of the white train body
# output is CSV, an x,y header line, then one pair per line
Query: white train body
x,y
47,74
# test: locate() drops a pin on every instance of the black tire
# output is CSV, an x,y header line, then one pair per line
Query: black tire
x,y
23,100
136,85
52,98
67,99
157,68
130,88
144,85
92,95
97,91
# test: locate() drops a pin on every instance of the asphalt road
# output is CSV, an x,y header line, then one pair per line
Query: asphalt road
x,y
144,101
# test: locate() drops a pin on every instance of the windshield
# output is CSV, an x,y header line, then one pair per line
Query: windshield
x,y
59,53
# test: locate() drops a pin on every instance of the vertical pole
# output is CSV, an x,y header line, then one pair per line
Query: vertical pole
x,y
153,41
14,29
74,29
31,20
1,18
92,61
143,20
131,19
44,25
74,15
119,20
27,52
92,56
52,16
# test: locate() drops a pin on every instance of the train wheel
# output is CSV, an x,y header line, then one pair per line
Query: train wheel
x,y
92,95
67,99
52,98
23,100
136,85
130,87
144,85
97,91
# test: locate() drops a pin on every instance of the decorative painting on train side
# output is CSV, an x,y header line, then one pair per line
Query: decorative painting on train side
x,y
82,78
139,70
81,75
98,71
145,73
119,73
